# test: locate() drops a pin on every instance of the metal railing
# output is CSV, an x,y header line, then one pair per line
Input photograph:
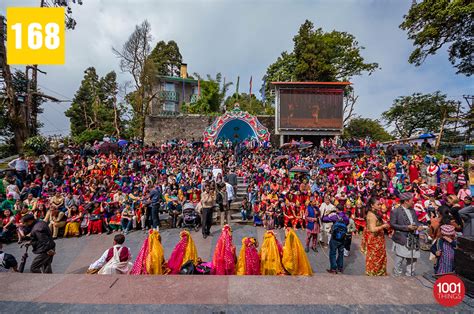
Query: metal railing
x,y
169,95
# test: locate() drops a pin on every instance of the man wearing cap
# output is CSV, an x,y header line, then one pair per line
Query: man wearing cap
x,y
42,243
406,244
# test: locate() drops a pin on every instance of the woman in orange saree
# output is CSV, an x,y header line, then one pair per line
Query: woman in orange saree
x,y
223,262
295,261
150,260
376,256
270,255
183,252
249,261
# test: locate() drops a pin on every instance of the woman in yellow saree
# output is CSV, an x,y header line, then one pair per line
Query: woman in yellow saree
x,y
270,255
249,261
183,252
151,259
295,261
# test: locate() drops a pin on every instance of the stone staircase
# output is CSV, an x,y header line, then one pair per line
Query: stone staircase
x,y
241,193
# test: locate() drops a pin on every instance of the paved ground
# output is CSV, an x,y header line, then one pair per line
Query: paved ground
x,y
67,291
75,254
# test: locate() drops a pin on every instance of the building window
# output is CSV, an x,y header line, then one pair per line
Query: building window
x,y
169,106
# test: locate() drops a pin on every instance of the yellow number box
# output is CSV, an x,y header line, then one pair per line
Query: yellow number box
x,y
35,35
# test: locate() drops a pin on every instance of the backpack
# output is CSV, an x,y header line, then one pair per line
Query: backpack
x,y
339,230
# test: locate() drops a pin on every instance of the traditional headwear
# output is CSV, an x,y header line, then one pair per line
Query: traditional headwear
x,y
447,231
249,260
294,259
406,196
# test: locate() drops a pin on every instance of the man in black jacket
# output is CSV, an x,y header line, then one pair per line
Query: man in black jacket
x,y
406,245
42,243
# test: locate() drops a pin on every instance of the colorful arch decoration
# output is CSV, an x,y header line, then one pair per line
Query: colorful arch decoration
x,y
213,132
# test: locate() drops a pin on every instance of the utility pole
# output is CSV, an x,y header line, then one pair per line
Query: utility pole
x,y
443,122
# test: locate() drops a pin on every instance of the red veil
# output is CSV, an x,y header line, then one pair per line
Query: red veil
x,y
223,262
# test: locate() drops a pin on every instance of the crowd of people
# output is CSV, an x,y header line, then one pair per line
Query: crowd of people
x,y
333,192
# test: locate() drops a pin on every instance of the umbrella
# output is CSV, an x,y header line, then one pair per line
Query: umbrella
x,y
347,156
282,157
326,166
332,156
122,142
305,145
343,164
426,135
152,151
108,147
299,169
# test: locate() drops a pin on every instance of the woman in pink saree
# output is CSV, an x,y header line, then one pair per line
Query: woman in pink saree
x,y
183,252
223,262
249,261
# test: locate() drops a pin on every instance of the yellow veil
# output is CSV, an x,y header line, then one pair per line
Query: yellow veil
x,y
270,260
155,259
294,258
190,254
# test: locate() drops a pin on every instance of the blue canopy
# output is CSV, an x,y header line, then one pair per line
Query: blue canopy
x,y
326,165
122,142
426,135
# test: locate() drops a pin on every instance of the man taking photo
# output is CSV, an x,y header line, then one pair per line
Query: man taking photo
x,y
42,243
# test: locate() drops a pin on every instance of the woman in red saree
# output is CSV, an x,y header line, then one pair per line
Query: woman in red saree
x,y
376,256
183,252
223,262
249,261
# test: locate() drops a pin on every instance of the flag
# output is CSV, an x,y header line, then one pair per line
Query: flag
x,y
262,91
250,92
237,86
199,87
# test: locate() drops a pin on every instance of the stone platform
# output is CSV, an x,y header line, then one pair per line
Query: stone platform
x,y
69,290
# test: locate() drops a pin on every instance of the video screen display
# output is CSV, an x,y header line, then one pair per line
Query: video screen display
x,y
311,109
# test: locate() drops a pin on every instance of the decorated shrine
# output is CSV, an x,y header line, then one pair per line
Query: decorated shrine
x,y
237,126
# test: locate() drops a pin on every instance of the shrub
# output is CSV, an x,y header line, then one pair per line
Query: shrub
x,y
36,145
89,136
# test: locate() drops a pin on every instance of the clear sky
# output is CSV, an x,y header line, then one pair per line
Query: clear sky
x,y
241,38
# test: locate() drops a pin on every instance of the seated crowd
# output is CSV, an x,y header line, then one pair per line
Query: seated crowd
x,y
91,192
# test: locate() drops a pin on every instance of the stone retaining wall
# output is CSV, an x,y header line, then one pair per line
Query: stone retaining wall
x,y
162,128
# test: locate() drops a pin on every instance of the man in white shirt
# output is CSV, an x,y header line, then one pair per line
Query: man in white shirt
x,y
115,260
21,167
326,208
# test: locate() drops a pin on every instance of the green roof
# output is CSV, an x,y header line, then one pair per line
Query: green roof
x,y
177,79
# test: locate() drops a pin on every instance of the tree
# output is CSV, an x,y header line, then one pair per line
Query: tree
x,y
212,96
17,123
94,105
320,56
167,58
419,113
362,127
134,59
432,24
248,103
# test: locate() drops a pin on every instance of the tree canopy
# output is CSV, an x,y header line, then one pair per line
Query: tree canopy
x,y
362,127
248,103
319,56
419,113
212,96
166,58
432,24
93,106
